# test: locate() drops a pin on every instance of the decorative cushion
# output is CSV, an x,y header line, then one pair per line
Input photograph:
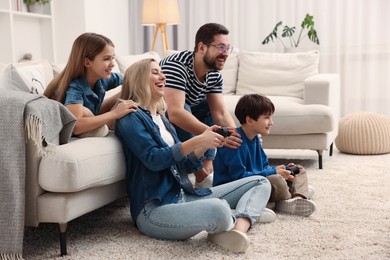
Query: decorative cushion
x,y
230,72
125,61
275,74
30,76
364,133
82,164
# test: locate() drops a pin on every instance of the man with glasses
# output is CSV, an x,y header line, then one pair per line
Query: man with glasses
x,y
194,91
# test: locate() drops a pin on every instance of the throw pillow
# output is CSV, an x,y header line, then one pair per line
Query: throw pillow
x,y
230,72
275,74
31,76
125,61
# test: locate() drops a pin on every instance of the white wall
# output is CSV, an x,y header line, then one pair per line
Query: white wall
x,y
74,17
353,35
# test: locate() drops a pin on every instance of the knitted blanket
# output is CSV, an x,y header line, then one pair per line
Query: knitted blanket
x,y
24,115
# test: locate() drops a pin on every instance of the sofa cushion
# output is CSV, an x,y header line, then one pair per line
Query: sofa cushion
x,y
276,74
30,76
125,61
292,117
83,163
230,72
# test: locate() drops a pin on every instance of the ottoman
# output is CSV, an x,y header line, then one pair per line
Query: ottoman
x,y
364,133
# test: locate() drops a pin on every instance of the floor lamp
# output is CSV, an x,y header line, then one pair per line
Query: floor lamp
x,y
160,13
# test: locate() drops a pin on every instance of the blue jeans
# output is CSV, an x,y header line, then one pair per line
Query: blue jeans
x,y
212,213
202,112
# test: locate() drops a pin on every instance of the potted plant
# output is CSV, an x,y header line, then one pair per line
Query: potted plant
x,y
36,6
288,32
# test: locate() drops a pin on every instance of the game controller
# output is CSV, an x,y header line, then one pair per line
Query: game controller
x,y
224,131
293,169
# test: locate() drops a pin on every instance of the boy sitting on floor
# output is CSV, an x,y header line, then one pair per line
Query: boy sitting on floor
x,y
291,193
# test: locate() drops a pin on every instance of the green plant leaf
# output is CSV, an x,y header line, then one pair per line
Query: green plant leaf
x,y
273,34
31,2
307,22
313,36
288,31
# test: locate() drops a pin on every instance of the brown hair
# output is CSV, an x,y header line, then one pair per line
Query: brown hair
x,y
87,45
207,31
253,105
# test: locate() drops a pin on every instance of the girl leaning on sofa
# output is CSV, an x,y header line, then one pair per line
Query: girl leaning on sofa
x,y
82,84
163,202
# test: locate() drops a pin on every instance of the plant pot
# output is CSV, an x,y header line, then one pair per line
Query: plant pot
x,y
37,8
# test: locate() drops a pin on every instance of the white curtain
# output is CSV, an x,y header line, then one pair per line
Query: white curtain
x,y
354,39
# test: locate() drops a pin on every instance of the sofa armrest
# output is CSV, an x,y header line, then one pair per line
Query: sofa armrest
x,y
323,89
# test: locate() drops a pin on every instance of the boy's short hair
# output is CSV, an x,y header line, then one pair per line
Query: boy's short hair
x,y
253,105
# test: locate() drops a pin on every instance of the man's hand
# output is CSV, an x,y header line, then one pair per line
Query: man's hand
x,y
234,140
261,139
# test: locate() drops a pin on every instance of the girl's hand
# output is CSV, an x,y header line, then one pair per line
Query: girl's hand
x,y
123,107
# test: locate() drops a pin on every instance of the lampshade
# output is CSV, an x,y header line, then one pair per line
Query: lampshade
x,y
160,12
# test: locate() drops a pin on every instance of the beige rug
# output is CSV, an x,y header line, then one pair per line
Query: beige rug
x,y
352,221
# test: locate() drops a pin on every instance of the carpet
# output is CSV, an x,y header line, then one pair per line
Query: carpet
x,y
352,221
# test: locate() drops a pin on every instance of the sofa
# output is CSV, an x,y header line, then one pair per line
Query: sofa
x,y
307,103
84,174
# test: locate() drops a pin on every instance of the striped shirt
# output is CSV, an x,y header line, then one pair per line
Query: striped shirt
x,y
179,72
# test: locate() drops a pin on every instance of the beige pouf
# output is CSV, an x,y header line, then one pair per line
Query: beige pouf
x,y
364,133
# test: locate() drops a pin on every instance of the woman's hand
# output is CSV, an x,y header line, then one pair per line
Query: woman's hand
x,y
210,140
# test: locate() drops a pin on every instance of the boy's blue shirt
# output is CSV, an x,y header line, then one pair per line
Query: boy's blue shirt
x,y
247,160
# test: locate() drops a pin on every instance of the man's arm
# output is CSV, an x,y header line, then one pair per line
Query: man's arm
x,y
222,117
175,100
219,112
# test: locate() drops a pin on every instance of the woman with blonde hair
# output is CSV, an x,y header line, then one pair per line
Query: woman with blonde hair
x,y
163,202
82,84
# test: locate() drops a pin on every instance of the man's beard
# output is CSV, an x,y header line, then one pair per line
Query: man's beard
x,y
210,62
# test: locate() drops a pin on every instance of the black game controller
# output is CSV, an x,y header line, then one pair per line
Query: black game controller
x,y
224,131
293,169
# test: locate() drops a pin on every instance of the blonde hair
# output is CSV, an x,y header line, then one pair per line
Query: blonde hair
x,y
87,45
136,85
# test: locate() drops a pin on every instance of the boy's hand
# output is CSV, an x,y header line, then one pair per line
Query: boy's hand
x,y
284,173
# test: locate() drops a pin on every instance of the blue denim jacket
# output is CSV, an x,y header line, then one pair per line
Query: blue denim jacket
x,y
79,91
155,170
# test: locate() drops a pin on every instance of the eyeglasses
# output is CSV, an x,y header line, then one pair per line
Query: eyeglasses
x,y
223,48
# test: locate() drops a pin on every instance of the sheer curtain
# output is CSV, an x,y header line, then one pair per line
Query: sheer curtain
x,y
354,39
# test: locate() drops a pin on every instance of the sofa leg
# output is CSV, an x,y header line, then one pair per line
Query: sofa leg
x,y
320,158
331,149
63,227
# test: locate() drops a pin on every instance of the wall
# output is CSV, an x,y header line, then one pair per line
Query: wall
x,y
107,17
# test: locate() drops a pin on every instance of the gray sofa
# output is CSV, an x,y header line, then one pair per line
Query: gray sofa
x,y
85,174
